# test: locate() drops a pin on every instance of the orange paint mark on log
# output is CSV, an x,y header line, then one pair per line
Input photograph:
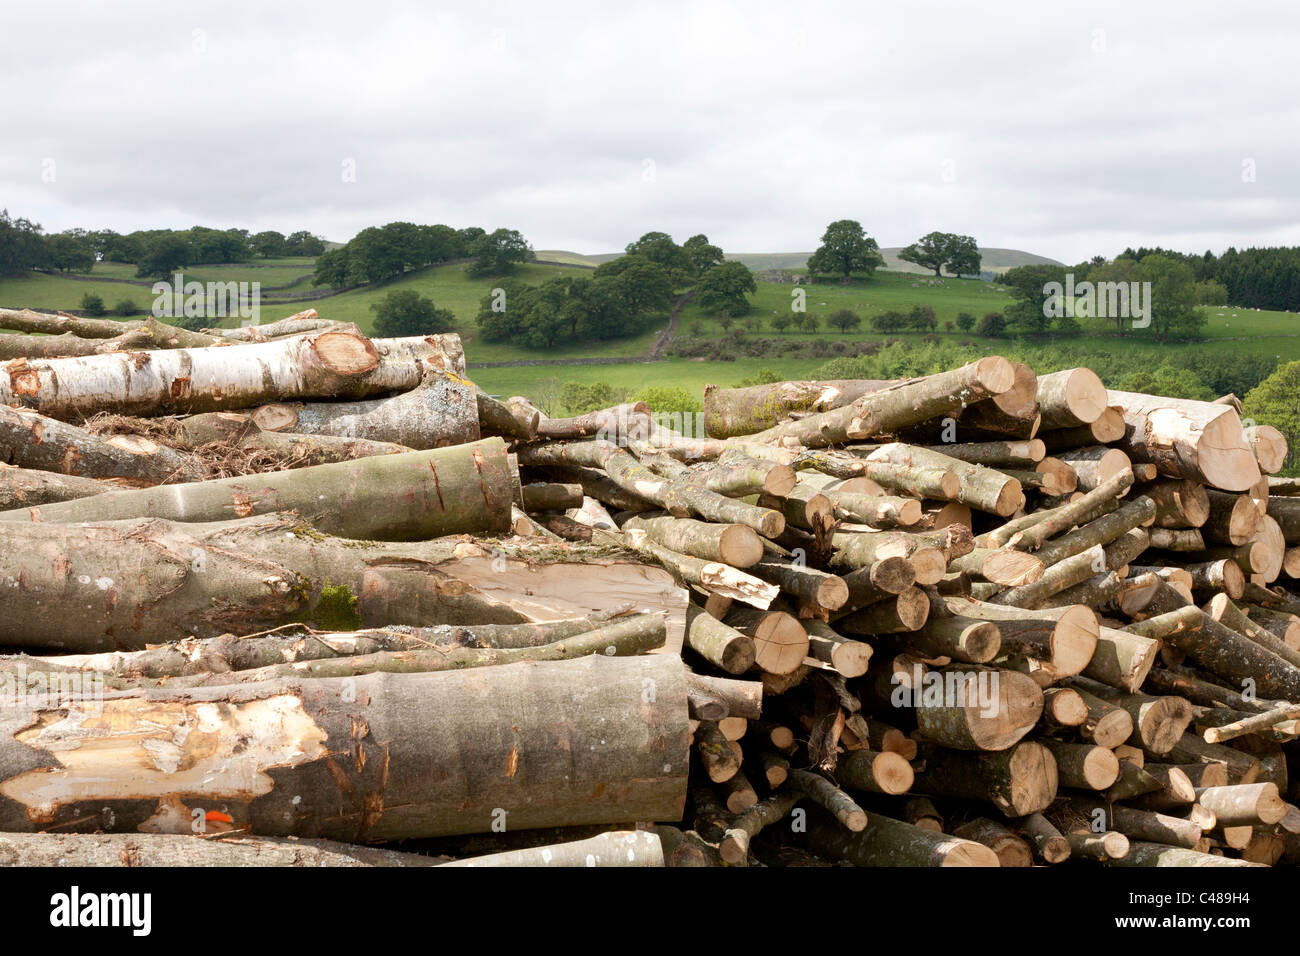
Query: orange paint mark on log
x,y
62,566
23,379
512,761
179,386
71,459
243,506
140,359
38,432
218,816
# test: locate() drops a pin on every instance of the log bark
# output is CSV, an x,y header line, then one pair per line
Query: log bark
x,y
28,487
730,412
295,642
465,488
734,544
1243,804
624,638
1142,853
678,497
911,403
985,709
1012,851
1179,504
888,842
177,850
1018,781
148,581
442,409
399,756
618,848
720,645
980,487
215,378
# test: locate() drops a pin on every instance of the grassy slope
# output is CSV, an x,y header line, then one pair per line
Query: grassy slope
x,y
1276,334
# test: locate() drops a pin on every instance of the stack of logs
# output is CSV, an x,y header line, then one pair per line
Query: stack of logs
x,y
306,593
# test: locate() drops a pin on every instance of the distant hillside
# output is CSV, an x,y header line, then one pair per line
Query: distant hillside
x,y
993,260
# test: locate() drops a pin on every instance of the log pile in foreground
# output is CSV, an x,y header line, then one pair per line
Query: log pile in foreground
x,y
308,593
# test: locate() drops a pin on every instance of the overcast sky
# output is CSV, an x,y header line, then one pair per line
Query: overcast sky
x,y
1064,129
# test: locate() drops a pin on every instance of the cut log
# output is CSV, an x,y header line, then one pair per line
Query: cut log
x,y
995,454
678,497
1085,766
1000,566
720,645
903,612
1071,397
320,365
1244,804
780,641
831,798
733,544
1094,464
442,409
1232,518
518,422
980,487
618,848
32,440
1269,446
1189,439
878,772
1106,724
729,412
888,410
465,488
1179,504
1049,844
153,581
888,842
713,576
1018,781
982,709
188,850
850,658
415,745
961,638
818,589
734,846
1011,850
28,487
1142,853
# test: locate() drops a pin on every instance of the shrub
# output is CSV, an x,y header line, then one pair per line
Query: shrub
x,y
126,307
92,304
992,326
